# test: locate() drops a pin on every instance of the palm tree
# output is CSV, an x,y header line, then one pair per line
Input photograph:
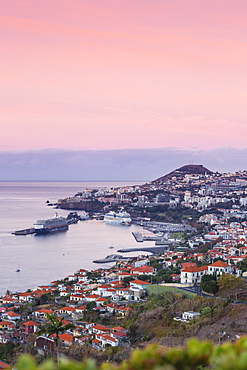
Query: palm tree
x,y
54,326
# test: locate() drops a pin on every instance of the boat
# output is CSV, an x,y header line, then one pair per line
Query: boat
x,y
24,232
84,216
72,218
51,225
120,218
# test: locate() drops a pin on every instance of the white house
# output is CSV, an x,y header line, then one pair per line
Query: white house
x,y
107,339
219,268
190,315
193,274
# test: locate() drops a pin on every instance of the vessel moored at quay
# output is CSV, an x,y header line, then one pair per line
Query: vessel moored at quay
x,y
120,218
51,225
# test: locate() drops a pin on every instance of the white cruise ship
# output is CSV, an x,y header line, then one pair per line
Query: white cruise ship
x,y
120,218
51,225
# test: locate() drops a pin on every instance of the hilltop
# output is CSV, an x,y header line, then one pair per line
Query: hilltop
x,y
190,169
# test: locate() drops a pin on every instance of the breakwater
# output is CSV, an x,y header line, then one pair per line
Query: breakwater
x,y
112,258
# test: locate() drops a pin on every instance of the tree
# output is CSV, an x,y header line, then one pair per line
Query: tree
x,y
126,281
230,285
91,305
55,326
206,259
209,284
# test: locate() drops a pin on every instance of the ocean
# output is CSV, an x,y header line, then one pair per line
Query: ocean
x,y
43,259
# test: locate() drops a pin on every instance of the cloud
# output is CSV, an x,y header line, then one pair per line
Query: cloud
x,y
112,165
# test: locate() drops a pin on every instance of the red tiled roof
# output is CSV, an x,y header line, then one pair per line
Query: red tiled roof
x,y
195,269
188,264
30,323
4,365
219,264
45,310
71,309
96,341
13,314
101,327
66,337
140,282
93,296
84,307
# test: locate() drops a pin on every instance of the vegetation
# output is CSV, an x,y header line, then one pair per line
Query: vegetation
x,y
93,275
230,286
10,351
54,326
164,213
195,355
209,284
159,289
242,265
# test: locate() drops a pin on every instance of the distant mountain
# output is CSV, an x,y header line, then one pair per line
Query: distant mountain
x,y
189,169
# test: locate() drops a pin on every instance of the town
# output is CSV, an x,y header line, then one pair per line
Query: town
x,y
192,285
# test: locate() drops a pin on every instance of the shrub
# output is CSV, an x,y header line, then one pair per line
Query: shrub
x,y
195,355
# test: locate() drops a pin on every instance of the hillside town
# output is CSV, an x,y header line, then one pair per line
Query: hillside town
x,y
207,248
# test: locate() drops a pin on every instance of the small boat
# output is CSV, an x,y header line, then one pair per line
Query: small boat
x,y
18,269
111,247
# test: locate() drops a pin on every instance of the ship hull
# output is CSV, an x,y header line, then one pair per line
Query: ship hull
x,y
51,230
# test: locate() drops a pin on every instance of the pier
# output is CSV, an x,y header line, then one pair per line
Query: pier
x,y
143,238
112,258
157,239
154,250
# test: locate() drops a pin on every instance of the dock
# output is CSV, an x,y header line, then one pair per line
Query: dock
x,y
24,231
153,250
112,258
143,238
138,236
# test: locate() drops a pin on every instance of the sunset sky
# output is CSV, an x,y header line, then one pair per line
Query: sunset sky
x,y
132,74
107,74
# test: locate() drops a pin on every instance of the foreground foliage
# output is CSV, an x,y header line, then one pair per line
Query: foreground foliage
x,y
195,355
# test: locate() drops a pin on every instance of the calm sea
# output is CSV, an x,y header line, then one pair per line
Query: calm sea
x,y
42,259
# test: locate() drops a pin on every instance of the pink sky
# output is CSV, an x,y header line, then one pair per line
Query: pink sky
x,y
107,74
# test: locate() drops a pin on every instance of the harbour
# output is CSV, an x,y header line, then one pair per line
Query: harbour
x,y
50,257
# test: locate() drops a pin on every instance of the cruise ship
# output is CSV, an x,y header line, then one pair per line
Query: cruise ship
x,y
120,218
51,225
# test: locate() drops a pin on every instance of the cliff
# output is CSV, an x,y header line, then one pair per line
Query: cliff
x,y
87,206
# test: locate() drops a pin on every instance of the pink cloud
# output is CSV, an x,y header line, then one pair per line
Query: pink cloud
x,y
122,74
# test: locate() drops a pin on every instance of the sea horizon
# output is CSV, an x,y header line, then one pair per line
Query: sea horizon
x,y
74,181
